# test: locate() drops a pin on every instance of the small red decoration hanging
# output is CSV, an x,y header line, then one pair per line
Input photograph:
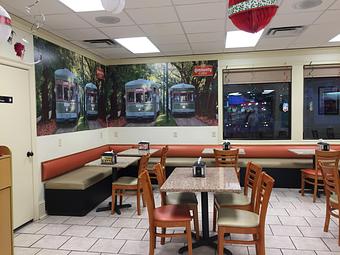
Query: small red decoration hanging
x,y
19,49
252,15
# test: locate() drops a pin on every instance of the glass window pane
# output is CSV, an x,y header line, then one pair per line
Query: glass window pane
x,y
321,108
131,97
257,111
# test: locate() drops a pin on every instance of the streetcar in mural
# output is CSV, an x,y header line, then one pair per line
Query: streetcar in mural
x,y
182,99
91,101
67,96
142,99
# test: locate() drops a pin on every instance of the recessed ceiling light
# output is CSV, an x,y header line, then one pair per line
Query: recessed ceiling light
x,y
239,39
84,6
335,39
307,4
138,44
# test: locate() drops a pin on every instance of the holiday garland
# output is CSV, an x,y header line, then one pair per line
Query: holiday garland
x,y
250,4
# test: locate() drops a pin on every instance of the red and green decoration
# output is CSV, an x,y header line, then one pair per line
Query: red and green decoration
x,y
252,15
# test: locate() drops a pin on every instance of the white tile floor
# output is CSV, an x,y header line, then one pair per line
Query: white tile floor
x,y
294,227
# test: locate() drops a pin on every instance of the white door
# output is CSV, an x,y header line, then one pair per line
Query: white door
x,y
15,133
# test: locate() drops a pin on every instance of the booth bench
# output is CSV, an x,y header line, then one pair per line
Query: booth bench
x,y
71,188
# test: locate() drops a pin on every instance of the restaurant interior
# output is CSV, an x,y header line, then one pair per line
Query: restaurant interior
x,y
169,127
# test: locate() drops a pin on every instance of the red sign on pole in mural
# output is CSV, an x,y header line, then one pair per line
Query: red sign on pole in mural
x,y
203,70
100,73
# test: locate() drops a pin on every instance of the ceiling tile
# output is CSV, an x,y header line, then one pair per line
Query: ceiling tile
x,y
162,29
315,35
177,53
329,17
274,43
118,52
288,7
44,6
166,39
294,19
184,2
208,47
206,37
201,12
147,3
204,26
65,21
90,17
335,6
173,47
81,34
121,32
153,15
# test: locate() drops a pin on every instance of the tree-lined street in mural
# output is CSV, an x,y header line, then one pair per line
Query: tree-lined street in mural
x,y
76,93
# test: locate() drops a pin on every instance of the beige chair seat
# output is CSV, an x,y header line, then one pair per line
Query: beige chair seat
x,y
126,180
178,198
237,218
79,179
333,199
231,199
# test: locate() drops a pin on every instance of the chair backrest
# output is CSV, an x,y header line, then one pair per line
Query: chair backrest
x,y
160,175
226,158
330,175
253,172
327,157
143,163
263,191
164,154
145,182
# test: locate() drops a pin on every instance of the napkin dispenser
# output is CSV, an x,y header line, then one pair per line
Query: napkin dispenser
x,y
144,146
226,145
198,169
109,158
323,146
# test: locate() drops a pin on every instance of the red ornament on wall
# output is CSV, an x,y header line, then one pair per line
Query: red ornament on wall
x,y
19,49
251,15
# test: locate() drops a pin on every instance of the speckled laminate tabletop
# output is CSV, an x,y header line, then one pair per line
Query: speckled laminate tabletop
x,y
217,179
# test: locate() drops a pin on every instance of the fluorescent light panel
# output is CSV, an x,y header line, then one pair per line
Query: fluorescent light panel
x,y
84,5
138,45
240,39
335,39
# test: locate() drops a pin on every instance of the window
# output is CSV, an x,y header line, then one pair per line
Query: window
x,y
66,96
131,97
148,96
321,102
59,91
139,97
256,104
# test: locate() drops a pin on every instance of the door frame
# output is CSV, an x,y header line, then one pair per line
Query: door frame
x,y
36,175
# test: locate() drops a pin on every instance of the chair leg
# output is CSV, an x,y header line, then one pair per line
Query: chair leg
x,y
315,190
138,202
163,238
327,218
121,197
220,241
302,184
260,243
143,198
189,239
214,217
339,233
196,223
152,242
113,201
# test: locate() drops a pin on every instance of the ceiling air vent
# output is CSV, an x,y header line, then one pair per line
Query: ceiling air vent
x,y
284,31
101,43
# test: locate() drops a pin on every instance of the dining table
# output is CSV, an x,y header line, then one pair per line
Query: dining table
x,y
217,179
121,163
133,152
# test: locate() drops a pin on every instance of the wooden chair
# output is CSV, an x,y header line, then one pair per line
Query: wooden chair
x,y
314,176
162,161
238,221
129,183
239,200
227,158
166,216
177,198
330,173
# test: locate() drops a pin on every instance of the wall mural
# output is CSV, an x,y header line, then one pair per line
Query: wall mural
x,y
75,93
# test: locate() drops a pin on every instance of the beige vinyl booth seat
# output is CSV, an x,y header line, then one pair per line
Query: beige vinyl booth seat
x,y
79,179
